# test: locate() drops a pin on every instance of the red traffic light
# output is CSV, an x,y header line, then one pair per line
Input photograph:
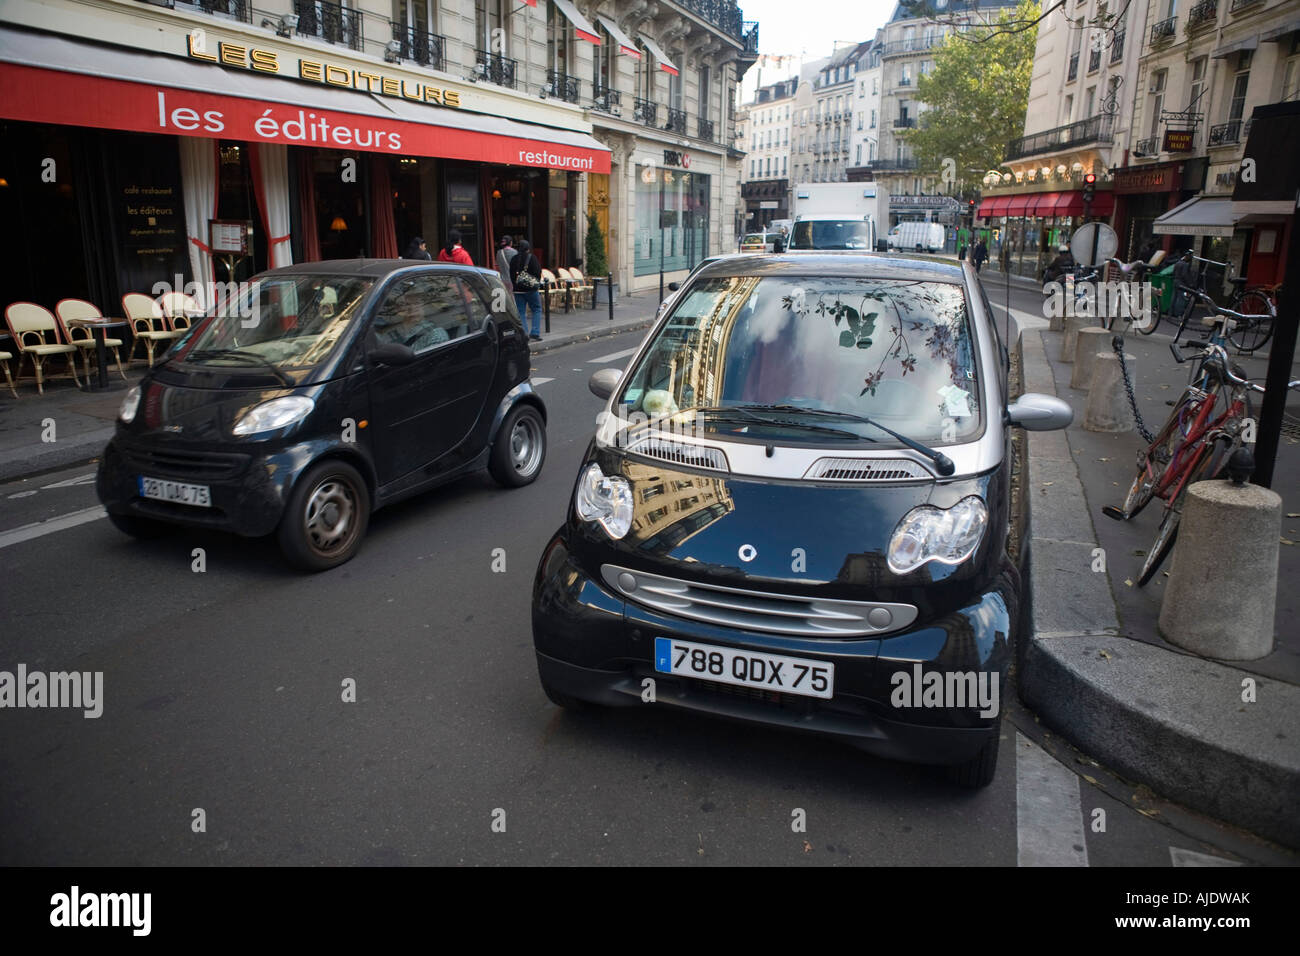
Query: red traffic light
x,y
1090,178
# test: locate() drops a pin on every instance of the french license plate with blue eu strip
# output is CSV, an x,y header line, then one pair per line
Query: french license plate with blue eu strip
x,y
725,665
176,492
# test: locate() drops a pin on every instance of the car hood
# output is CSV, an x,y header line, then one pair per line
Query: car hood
x,y
182,413
800,537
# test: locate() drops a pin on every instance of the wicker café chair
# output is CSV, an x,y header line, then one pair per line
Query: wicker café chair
x,y
69,310
581,287
148,323
179,309
36,333
552,287
5,358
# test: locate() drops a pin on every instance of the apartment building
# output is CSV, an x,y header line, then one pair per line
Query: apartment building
x,y
803,125
832,111
765,170
864,137
213,139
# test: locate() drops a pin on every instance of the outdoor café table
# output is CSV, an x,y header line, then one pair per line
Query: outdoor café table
x,y
100,329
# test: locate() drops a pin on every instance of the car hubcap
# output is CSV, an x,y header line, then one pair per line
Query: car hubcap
x,y
331,516
525,446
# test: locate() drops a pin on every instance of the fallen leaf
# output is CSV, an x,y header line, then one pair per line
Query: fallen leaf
x,y
807,847
1091,780
1128,582
1103,653
1293,514
1148,813
1048,484
1286,541
1103,459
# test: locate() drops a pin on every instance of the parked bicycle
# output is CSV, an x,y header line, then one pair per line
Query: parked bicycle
x,y
1255,304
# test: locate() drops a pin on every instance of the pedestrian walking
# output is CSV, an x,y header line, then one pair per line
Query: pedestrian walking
x,y
980,255
526,280
504,255
961,251
453,251
416,249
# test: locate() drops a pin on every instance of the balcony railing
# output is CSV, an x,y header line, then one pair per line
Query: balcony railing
x,y
704,128
562,86
1094,60
676,121
1202,13
914,45
1117,47
1096,129
329,22
1163,30
905,122
605,98
750,37
425,49
1225,134
239,9
891,165
644,111
1241,4
723,14
904,81
1074,67
495,68
1147,147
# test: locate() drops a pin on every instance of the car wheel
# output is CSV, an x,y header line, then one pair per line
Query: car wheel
x,y
326,517
978,771
136,527
520,448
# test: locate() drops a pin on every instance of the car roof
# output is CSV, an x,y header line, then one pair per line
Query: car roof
x,y
837,264
372,268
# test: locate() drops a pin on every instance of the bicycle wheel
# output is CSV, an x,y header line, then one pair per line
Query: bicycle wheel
x,y
1208,465
1249,336
1153,461
1148,325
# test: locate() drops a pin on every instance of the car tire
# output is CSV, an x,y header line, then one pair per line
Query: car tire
x,y
142,528
326,517
978,771
563,700
520,448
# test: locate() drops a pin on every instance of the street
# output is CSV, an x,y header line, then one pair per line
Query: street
x,y
225,692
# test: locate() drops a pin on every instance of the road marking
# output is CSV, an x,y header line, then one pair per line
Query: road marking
x,y
1049,822
612,356
1026,321
22,494
85,479
51,525
542,381
1180,857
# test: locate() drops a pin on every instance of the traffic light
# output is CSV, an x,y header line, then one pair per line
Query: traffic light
x,y
1089,187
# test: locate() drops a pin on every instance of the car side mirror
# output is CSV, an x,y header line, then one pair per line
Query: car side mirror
x,y
392,353
603,383
1035,412
674,286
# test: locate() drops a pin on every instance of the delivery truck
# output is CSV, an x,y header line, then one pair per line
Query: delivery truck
x,y
917,237
838,216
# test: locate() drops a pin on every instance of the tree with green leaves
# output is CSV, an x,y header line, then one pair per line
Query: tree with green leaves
x,y
596,263
977,94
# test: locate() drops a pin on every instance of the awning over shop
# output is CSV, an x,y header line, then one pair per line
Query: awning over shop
x,y
665,64
1071,204
992,206
625,44
581,25
1017,205
50,79
1199,216
1279,33
1042,204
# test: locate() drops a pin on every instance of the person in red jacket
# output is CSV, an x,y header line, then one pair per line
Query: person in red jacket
x,y
453,251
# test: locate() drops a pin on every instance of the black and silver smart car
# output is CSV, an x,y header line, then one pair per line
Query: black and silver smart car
x,y
320,393
795,511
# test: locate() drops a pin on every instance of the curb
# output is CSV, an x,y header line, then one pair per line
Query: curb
x,y
561,339
29,460
1170,720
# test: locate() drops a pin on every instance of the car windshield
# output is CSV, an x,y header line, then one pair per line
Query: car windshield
x,y
283,321
830,234
802,357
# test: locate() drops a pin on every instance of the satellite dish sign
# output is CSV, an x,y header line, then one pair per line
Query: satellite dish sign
x,y
1090,236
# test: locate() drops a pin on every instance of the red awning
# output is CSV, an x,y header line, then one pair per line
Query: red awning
x,y
1017,205
1071,203
403,128
1043,204
993,207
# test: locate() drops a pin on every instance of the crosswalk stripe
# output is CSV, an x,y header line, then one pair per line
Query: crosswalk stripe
x,y
1180,857
541,381
612,356
39,528
1049,822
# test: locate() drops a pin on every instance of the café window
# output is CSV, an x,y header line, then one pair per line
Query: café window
x,y
672,219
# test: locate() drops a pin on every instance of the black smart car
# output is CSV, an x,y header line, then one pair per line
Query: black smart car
x,y
795,511
325,391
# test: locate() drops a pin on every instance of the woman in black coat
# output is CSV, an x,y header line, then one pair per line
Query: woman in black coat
x,y
531,298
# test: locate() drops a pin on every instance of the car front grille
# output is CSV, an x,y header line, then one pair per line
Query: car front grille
x,y
158,462
681,453
865,469
760,611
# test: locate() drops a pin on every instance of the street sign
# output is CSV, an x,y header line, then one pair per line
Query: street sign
x,y
1082,245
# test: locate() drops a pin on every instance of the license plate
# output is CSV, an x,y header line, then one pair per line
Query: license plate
x,y
176,492
785,675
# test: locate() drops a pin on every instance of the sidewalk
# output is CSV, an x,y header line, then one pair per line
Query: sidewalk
x,y
1095,668
83,421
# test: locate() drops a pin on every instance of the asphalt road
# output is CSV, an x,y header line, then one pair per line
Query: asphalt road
x,y
223,692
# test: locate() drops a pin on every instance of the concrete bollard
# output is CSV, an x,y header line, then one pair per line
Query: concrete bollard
x,y
1071,329
1088,343
1222,591
1108,408
1055,323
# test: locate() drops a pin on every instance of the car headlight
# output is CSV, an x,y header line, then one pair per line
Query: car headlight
x,y
606,499
130,403
928,533
273,415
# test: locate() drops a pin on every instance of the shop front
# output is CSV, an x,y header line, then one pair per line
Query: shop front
x,y
161,166
1142,195
672,218
1024,231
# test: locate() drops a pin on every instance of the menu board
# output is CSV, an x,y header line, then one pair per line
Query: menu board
x,y
229,236
152,221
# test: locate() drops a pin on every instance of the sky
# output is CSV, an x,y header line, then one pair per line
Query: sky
x,y
810,28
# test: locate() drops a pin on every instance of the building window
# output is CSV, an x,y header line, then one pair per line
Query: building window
x,y
1158,80
1240,81
559,40
705,111
1069,109
1291,77
1089,100
491,22
873,119
783,165
684,226
858,161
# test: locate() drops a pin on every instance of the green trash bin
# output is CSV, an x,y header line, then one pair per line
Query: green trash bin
x,y
1162,289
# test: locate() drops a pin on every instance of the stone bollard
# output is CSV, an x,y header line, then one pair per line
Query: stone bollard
x,y
1220,598
1071,328
1055,323
1088,343
1108,408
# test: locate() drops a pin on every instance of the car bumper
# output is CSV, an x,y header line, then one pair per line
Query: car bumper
x,y
248,492
593,645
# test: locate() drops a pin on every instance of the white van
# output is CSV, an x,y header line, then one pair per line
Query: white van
x,y
917,237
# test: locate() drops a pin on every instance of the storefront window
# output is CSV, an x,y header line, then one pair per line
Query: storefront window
x,y
680,238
